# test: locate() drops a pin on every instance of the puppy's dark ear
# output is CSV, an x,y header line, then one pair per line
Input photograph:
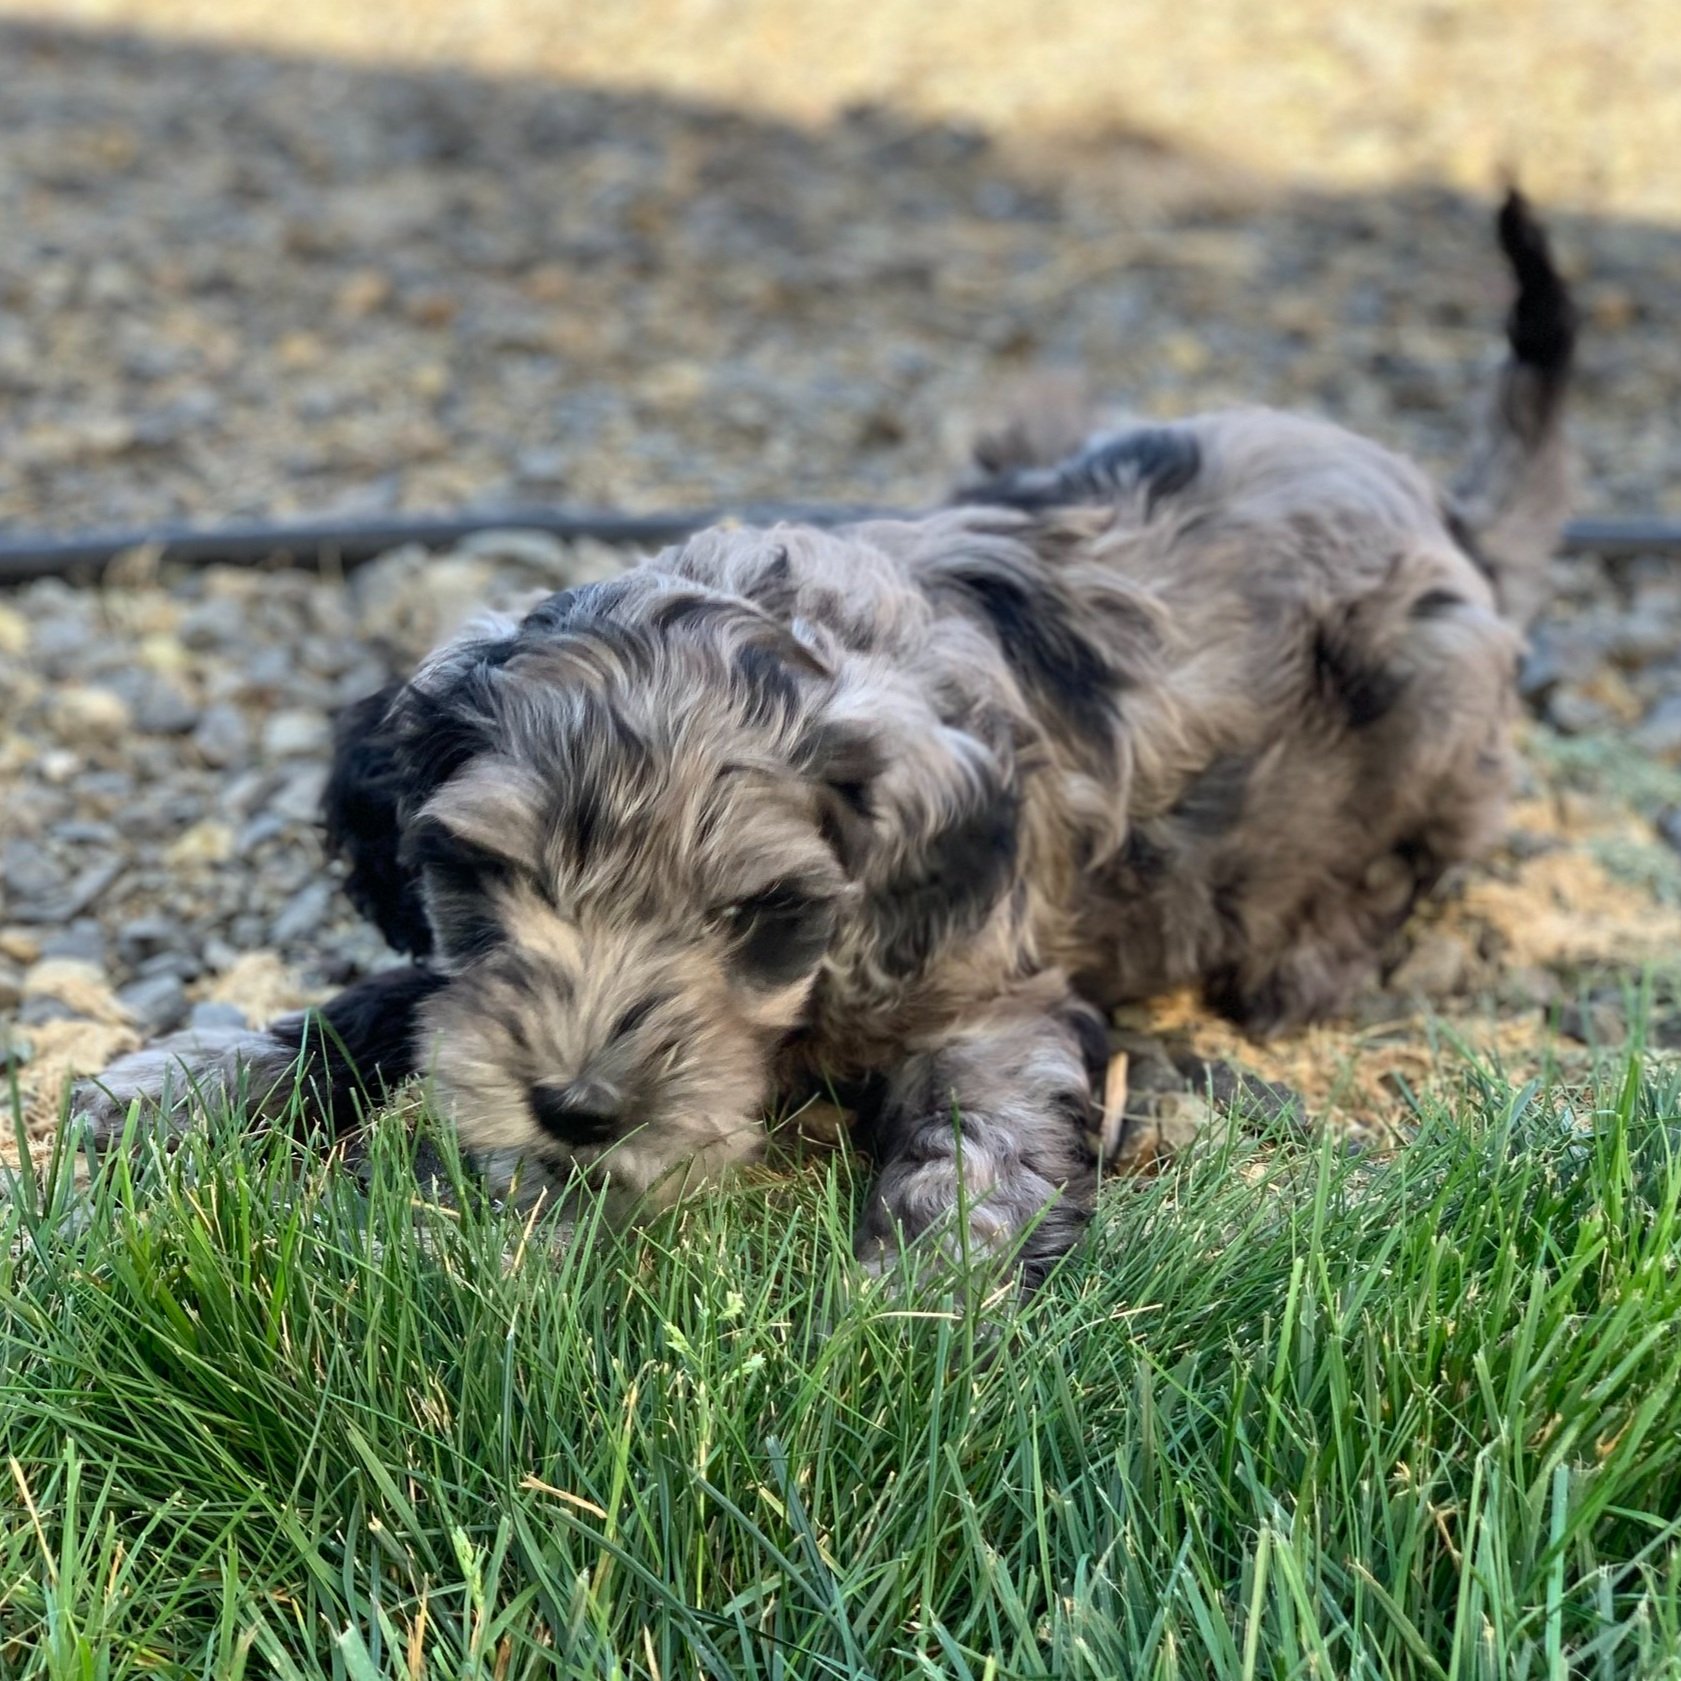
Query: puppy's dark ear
x,y
844,761
360,811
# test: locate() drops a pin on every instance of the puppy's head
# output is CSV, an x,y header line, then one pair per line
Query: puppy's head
x,y
629,822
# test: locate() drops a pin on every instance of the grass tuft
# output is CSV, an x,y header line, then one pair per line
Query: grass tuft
x,y
1287,1413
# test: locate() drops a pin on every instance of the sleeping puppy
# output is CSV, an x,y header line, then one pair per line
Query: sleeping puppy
x,y
900,810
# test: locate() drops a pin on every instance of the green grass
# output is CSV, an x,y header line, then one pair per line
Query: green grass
x,y
1285,1414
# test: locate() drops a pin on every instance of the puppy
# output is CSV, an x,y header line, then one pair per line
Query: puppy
x,y
899,811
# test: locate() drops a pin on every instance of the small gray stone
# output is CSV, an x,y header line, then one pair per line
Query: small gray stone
x,y
1660,731
84,831
90,884
222,737
161,709
29,871
296,733
247,792
184,965
1593,1022
157,1003
83,940
70,901
1573,711
212,623
1228,1086
40,1008
145,936
1639,637
209,1014
1149,1066
545,467
298,799
1438,965
220,954
303,913
1531,984
264,827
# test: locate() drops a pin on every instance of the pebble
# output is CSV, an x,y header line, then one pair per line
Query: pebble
x,y
303,913
222,738
162,709
298,799
1439,965
83,940
1573,710
1229,1087
1659,732
295,733
1593,1022
157,1003
142,937
89,715
42,1008
29,871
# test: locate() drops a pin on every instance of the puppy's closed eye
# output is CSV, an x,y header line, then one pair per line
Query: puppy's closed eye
x,y
778,934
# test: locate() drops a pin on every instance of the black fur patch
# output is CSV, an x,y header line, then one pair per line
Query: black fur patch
x,y
772,691
1164,460
1160,460
360,814
1145,855
556,612
951,888
780,934
1259,1008
1048,654
1462,534
1544,320
1364,692
864,1098
445,726
362,1043
1091,1035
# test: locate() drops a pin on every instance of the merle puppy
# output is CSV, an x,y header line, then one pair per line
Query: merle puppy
x,y
902,809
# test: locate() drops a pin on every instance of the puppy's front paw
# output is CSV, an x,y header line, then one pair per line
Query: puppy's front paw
x,y
177,1076
949,1220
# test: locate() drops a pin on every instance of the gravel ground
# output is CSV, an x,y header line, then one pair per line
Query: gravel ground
x,y
236,285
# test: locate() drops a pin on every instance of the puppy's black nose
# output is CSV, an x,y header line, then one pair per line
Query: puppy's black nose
x,y
580,1112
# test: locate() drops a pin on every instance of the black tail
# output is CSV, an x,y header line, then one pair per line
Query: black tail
x,y
1513,494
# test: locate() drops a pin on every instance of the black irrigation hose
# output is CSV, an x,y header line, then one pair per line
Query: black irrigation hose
x,y
350,543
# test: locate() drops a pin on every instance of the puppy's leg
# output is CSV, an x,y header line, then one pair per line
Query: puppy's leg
x,y
996,1122
356,1045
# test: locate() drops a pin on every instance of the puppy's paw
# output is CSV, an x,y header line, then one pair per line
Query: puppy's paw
x,y
177,1076
987,1216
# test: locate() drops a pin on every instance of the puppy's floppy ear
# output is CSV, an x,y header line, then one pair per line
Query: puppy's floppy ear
x,y
843,761
360,812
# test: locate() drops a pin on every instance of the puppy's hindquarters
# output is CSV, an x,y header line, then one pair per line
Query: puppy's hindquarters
x,y
336,1061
